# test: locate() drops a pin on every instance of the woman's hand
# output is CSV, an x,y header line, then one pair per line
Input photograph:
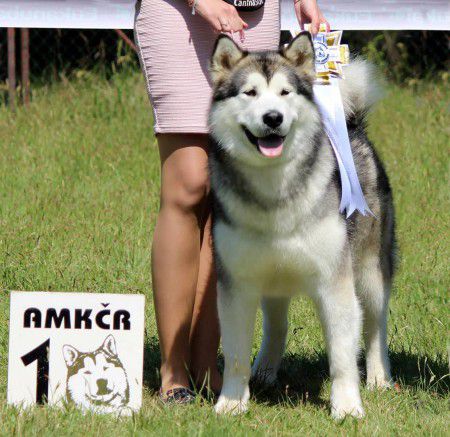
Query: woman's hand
x,y
308,11
222,16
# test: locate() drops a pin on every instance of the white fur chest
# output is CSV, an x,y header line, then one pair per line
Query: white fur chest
x,y
275,265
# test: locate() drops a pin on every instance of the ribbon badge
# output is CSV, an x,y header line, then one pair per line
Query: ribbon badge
x,y
331,56
321,50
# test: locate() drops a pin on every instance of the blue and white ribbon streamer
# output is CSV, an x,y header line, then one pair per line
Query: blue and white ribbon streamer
x,y
329,101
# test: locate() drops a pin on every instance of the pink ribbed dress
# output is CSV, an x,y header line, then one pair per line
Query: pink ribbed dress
x,y
175,47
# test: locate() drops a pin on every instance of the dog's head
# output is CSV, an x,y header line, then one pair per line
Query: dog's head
x,y
262,109
96,378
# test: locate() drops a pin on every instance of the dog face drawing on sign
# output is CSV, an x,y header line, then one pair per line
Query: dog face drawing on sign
x,y
96,380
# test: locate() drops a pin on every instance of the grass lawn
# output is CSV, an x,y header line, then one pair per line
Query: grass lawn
x,y
78,198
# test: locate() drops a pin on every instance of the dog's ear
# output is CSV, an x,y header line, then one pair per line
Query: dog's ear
x,y
109,345
70,355
300,53
226,54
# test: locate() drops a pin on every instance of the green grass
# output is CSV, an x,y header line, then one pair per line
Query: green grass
x,y
78,197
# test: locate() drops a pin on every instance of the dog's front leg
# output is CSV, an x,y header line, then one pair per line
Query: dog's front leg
x,y
340,315
237,312
275,326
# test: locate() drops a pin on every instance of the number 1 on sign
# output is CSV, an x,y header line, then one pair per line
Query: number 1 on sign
x,y
40,354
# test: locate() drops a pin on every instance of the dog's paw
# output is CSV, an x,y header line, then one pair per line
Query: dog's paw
x,y
345,400
339,412
379,382
230,406
266,375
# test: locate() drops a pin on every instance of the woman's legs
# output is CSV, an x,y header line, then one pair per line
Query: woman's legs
x,y
176,254
205,333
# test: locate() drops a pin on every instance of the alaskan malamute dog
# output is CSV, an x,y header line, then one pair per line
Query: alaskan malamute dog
x,y
97,380
277,227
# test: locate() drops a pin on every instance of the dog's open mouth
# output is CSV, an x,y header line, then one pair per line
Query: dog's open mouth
x,y
101,399
270,145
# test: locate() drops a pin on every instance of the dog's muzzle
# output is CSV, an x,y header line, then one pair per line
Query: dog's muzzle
x,y
270,145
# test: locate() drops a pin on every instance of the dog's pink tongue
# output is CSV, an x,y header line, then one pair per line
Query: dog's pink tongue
x,y
271,146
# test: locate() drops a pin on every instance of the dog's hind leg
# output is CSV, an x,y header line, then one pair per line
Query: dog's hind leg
x,y
340,315
237,312
374,289
275,326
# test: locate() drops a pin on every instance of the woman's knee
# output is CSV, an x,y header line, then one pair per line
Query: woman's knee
x,y
185,180
189,194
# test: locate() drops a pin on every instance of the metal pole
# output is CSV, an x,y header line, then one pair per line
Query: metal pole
x,y
25,64
127,40
12,67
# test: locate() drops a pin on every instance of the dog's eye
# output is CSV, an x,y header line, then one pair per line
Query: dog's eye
x,y
251,93
285,92
88,372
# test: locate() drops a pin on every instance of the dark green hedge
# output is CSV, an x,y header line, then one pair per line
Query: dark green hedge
x,y
403,56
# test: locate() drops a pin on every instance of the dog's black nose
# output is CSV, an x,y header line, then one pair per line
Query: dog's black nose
x,y
273,119
102,387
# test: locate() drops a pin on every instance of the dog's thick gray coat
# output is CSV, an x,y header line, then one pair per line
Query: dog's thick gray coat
x,y
277,227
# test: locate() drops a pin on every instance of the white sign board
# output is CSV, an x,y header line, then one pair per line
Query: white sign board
x,y
377,14
85,348
119,14
68,14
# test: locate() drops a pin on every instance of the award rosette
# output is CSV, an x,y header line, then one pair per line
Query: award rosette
x,y
330,54
330,58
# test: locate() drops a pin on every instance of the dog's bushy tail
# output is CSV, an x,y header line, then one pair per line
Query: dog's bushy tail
x,y
360,90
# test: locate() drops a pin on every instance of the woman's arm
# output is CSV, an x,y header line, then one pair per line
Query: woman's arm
x,y
224,17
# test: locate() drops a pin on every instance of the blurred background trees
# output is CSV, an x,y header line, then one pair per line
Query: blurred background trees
x,y
404,57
